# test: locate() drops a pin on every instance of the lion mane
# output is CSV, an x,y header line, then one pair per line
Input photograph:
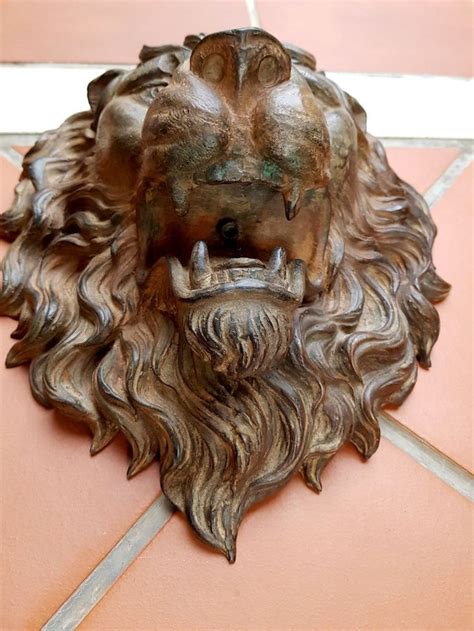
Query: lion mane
x,y
101,357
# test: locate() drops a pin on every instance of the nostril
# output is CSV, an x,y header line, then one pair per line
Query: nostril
x,y
213,68
228,229
268,71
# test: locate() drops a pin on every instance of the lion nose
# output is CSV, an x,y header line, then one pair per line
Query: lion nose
x,y
241,61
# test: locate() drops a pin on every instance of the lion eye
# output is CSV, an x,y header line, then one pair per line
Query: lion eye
x,y
151,91
154,90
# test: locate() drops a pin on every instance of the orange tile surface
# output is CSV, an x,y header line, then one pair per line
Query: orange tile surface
x,y
440,408
420,166
61,509
110,31
400,36
385,546
8,178
427,36
21,149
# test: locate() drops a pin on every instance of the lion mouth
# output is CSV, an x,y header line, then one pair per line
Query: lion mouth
x,y
235,237
246,173
206,277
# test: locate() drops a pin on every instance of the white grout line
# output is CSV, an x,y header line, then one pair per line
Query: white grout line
x,y
430,143
252,10
13,156
7,140
413,106
398,106
108,66
450,472
111,568
13,138
447,179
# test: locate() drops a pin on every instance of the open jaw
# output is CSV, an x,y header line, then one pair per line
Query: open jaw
x,y
235,237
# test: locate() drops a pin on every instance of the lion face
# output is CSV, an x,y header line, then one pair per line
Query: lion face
x,y
230,273
218,161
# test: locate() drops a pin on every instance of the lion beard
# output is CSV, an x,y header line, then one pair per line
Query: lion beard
x,y
223,443
239,338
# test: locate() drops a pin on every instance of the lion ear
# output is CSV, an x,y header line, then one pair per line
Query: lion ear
x,y
97,90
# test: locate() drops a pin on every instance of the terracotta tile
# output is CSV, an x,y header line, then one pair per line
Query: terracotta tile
x,y
21,149
61,509
9,175
440,407
423,37
386,545
111,31
420,166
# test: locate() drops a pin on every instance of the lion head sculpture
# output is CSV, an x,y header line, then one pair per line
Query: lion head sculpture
x,y
217,261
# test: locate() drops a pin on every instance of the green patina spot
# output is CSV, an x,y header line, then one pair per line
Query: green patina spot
x,y
270,170
217,172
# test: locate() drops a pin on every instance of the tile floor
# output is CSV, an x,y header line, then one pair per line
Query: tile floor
x,y
373,551
387,545
400,36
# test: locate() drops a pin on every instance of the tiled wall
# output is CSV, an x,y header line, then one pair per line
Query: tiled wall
x,y
388,544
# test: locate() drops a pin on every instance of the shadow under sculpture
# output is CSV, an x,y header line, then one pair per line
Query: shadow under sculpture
x,y
217,261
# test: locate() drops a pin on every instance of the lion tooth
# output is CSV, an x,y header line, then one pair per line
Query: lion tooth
x,y
290,209
277,261
200,265
180,199
291,199
297,275
179,275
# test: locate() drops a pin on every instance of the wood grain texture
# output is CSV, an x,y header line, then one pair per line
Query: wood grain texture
x,y
217,261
